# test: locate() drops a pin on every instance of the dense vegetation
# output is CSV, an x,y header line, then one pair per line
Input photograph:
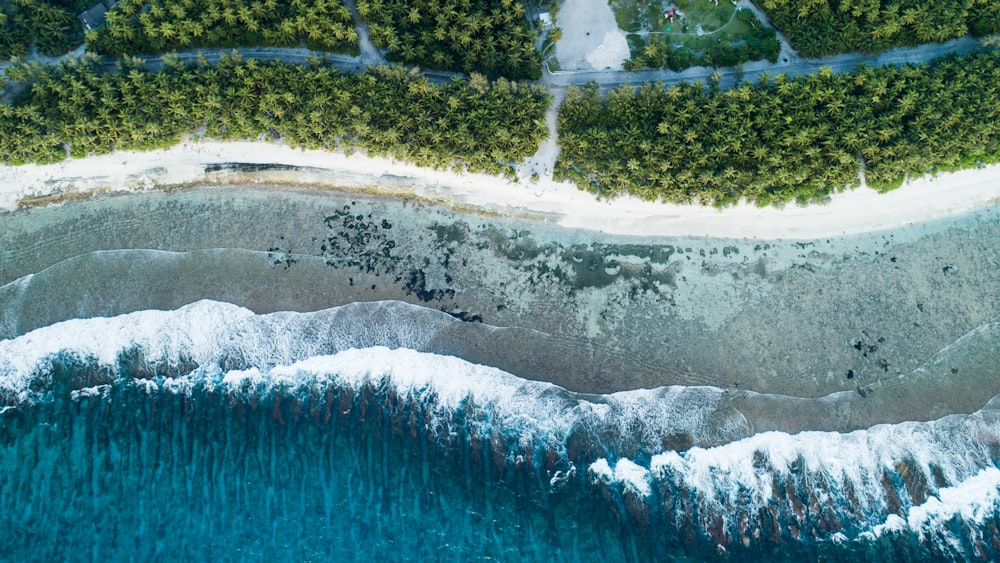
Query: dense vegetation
x,y
663,52
492,37
788,139
50,25
83,109
158,26
488,36
824,27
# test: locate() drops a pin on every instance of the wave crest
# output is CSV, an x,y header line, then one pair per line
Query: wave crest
x,y
672,466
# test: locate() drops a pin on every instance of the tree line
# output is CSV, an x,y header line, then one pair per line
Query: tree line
x,y
783,139
82,108
826,27
492,37
488,36
159,26
50,25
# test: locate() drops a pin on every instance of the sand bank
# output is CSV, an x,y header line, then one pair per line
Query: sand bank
x,y
856,211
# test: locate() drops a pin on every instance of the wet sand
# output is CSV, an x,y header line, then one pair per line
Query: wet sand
x,y
900,321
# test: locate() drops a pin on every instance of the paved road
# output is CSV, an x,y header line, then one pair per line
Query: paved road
x,y
751,71
344,63
606,79
609,79
543,162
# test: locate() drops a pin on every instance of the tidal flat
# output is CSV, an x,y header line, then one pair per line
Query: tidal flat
x,y
893,325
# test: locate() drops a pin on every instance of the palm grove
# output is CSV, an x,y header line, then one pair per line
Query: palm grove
x,y
783,139
51,27
159,26
773,141
492,37
824,27
83,108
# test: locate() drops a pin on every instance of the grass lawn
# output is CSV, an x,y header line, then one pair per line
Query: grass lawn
x,y
647,15
706,13
737,29
634,15
738,39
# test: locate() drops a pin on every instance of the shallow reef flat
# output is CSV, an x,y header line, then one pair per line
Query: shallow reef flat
x,y
865,315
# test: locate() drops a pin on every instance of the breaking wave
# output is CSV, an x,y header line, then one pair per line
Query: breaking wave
x,y
210,431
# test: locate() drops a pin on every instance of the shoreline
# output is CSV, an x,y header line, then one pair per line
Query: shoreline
x,y
561,203
755,315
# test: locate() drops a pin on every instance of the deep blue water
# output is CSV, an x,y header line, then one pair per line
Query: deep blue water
x,y
160,450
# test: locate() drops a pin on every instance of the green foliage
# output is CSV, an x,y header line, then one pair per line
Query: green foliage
x,y
709,15
720,50
790,139
51,26
158,26
492,37
633,15
824,27
80,108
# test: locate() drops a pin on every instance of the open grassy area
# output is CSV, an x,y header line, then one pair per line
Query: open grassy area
x,y
636,15
735,30
649,15
738,39
706,13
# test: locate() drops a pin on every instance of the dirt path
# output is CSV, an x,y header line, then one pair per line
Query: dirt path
x,y
370,54
542,163
788,53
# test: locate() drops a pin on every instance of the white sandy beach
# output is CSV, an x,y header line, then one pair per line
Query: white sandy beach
x,y
851,212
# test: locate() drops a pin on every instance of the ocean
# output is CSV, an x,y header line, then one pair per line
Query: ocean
x,y
213,375
210,432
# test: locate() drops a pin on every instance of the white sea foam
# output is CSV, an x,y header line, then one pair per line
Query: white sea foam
x,y
337,347
536,411
720,477
632,475
89,392
973,500
306,350
893,524
208,331
528,407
